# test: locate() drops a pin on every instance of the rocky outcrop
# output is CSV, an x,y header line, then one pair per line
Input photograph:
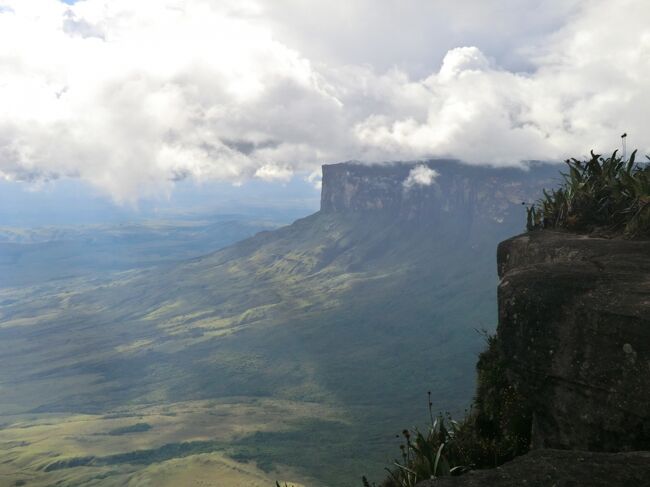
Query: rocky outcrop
x,y
574,337
466,192
574,330
559,468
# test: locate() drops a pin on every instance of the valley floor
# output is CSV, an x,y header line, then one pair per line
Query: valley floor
x,y
188,443
297,354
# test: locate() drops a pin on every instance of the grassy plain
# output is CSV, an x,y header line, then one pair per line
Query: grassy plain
x,y
188,443
347,319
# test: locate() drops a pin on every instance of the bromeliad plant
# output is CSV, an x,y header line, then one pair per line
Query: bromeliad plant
x,y
494,431
436,453
606,195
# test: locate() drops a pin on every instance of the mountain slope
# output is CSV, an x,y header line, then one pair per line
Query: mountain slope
x,y
360,308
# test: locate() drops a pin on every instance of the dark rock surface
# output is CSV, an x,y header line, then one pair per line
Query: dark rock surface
x,y
468,192
574,328
559,468
574,331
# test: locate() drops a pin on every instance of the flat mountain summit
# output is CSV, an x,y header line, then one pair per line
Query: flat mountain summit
x,y
430,189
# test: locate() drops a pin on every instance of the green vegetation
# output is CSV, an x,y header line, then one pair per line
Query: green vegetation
x,y
438,452
309,313
496,430
70,463
199,442
141,457
312,443
502,418
601,195
134,428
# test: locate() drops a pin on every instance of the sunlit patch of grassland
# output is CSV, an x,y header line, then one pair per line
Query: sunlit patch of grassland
x,y
162,310
133,346
207,470
30,320
49,448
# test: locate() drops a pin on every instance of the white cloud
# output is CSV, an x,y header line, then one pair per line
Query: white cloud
x,y
131,96
586,89
462,60
315,178
420,175
134,95
270,172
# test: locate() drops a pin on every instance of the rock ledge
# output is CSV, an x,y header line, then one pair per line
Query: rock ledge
x,y
559,468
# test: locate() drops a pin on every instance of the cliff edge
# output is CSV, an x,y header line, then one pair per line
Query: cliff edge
x,y
574,331
574,336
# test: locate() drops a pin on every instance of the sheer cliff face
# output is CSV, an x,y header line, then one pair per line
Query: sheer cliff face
x,y
574,327
454,192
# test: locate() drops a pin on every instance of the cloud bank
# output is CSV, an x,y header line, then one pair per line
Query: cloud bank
x,y
132,96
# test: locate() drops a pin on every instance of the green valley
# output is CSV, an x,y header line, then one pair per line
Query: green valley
x,y
322,337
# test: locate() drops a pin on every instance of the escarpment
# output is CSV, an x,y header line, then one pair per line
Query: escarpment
x,y
574,331
574,338
452,191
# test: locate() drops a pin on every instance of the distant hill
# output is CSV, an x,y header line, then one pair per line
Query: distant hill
x,y
359,309
36,255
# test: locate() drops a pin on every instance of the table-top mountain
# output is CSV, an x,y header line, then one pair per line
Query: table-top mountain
x,y
358,309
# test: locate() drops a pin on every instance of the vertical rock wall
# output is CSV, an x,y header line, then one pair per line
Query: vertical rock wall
x,y
574,327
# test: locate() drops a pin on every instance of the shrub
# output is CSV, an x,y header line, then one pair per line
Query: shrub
x,y
134,428
604,195
495,430
427,455
502,418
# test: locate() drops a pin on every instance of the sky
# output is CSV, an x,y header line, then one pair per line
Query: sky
x,y
130,97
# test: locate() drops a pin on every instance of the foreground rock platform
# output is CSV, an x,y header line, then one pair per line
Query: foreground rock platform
x,y
559,468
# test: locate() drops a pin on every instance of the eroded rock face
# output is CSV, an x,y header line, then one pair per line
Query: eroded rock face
x,y
574,327
462,191
559,468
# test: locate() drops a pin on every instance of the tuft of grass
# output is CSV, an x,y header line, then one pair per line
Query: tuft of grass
x,y
604,195
495,430
439,451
